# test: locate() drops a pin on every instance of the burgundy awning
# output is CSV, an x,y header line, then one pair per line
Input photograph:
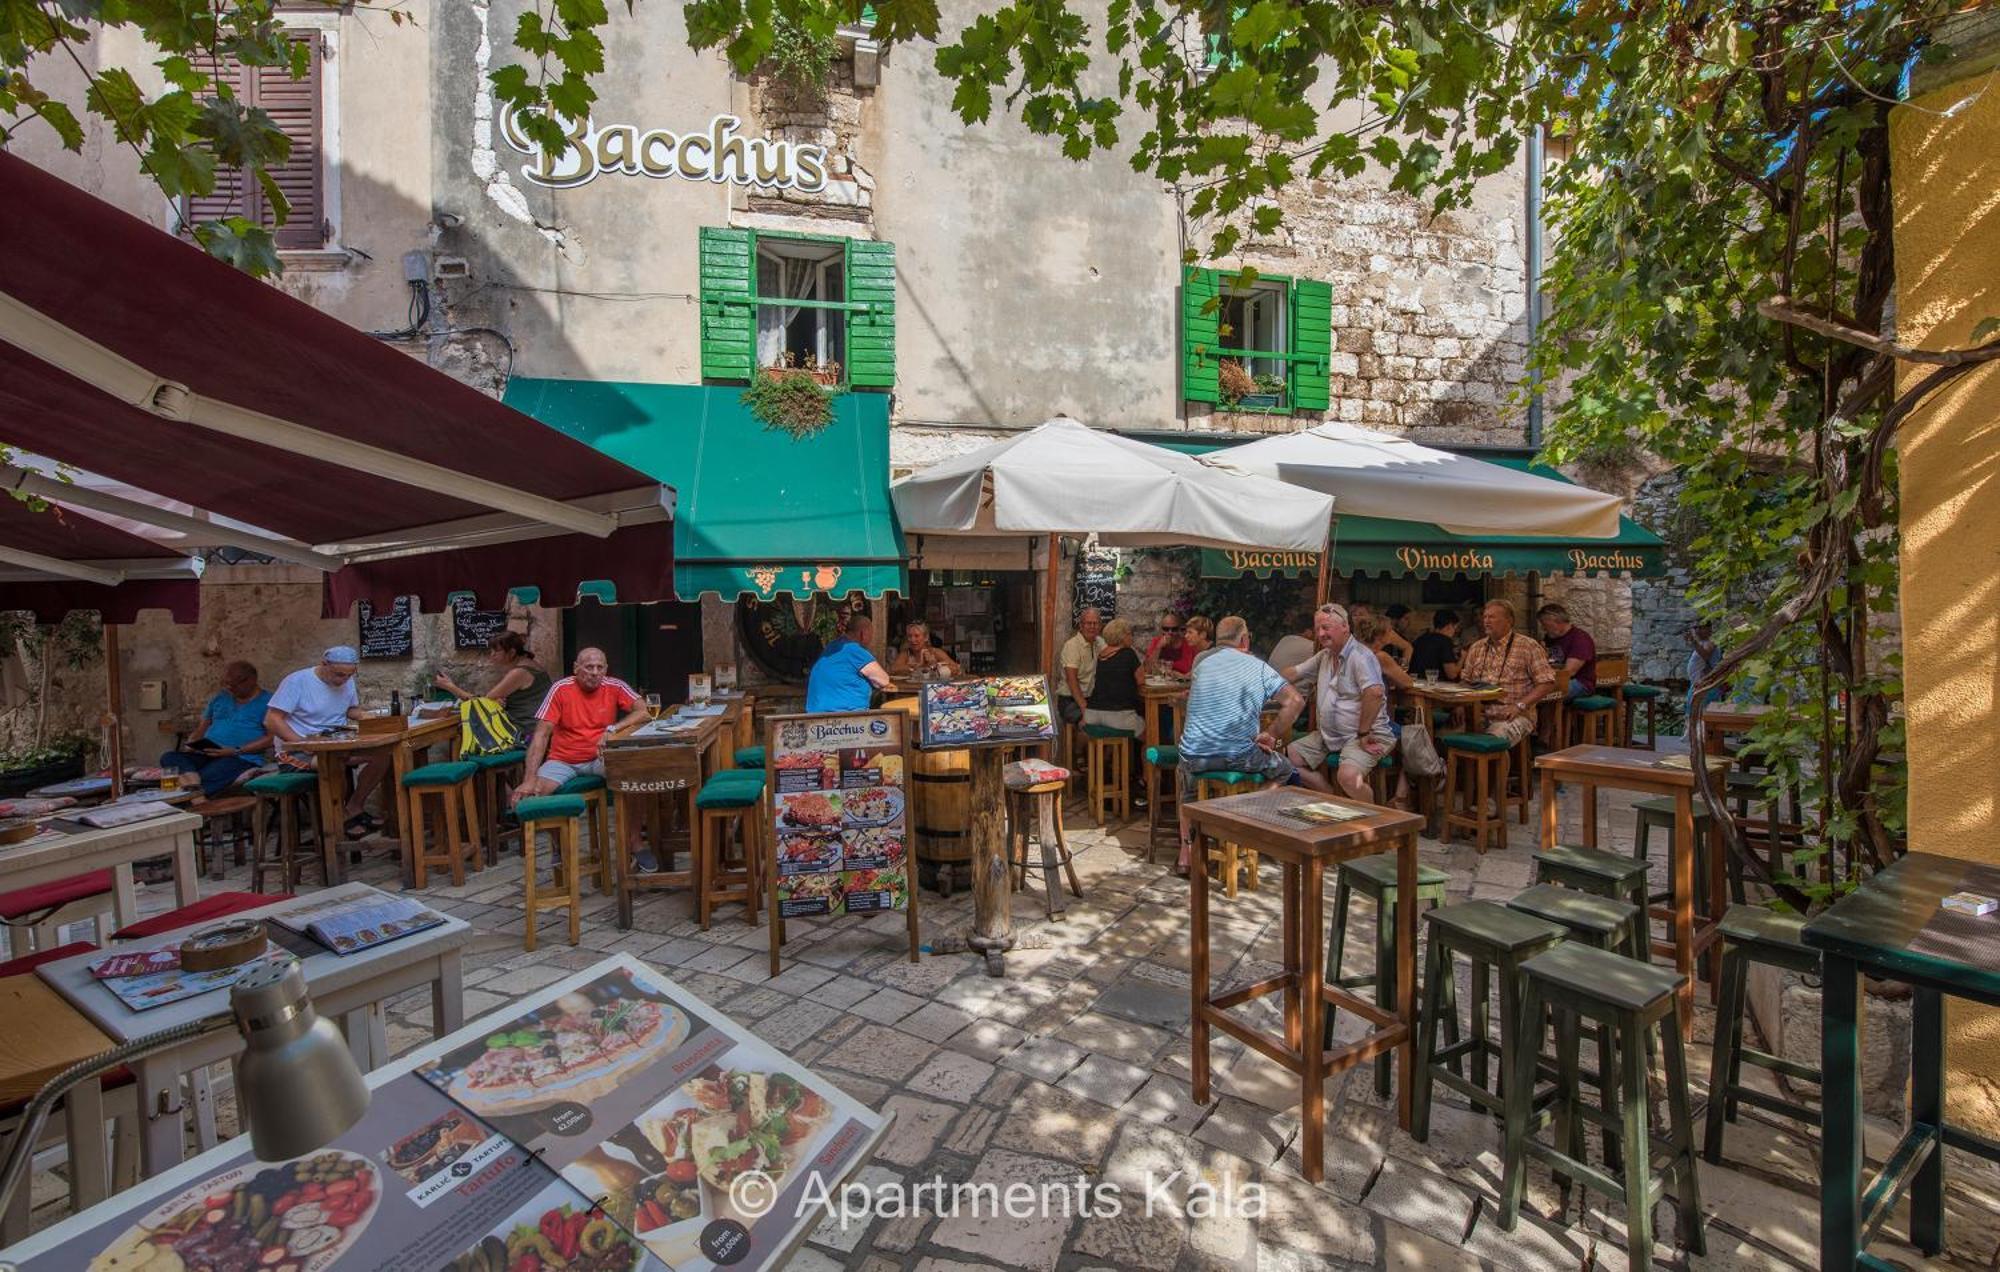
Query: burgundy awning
x,y
69,536
639,561
194,321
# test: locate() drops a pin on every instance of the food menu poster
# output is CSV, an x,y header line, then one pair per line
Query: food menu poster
x,y
604,1124
988,711
841,813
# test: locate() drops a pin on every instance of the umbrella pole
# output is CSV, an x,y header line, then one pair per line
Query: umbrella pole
x,y
114,693
1049,611
1325,563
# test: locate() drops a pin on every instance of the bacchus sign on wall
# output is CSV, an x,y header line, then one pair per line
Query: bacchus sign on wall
x,y
718,152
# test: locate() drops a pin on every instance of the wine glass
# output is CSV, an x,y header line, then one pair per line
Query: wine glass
x,y
653,706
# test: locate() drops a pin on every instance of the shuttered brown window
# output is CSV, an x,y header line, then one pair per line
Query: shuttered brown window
x,y
294,105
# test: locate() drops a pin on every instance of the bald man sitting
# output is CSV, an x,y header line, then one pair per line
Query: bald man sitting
x,y
571,723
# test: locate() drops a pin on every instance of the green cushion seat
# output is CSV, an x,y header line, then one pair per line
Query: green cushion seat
x,y
1644,691
449,773
1484,743
582,784
749,757
718,792
281,784
1379,871
549,807
1164,756
736,777
498,760
1594,702
1232,776
1440,718
1106,731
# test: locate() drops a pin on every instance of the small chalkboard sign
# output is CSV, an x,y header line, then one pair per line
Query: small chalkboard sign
x,y
1096,584
391,635
472,627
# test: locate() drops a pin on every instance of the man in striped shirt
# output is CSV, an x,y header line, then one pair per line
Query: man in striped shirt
x,y
1223,725
571,723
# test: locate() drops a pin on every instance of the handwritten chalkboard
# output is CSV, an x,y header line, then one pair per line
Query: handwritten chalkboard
x,y
391,635
472,627
1096,584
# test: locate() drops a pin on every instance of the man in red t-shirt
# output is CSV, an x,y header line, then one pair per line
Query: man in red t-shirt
x,y
572,722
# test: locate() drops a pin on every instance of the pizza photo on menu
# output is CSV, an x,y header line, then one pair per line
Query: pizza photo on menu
x,y
578,1048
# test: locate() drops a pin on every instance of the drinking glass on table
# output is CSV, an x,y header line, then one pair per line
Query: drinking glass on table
x,y
170,781
653,706
1430,675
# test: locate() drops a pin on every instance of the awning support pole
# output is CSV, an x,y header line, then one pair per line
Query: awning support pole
x,y
1325,564
207,533
1049,612
65,569
114,694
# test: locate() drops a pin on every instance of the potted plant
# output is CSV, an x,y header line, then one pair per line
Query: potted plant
x,y
29,768
1243,391
826,373
1269,395
793,399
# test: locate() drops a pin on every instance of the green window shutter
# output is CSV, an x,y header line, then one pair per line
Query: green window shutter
x,y
1312,343
728,322
1201,332
871,331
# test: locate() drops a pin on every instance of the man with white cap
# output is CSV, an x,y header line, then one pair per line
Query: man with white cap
x,y
320,699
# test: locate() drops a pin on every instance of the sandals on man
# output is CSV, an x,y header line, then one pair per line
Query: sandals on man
x,y
361,825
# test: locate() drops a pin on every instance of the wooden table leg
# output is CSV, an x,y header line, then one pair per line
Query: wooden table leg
x,y
332,794
1292,880
447,995
1550,831
1590,814
124,895
1840,1102
628,833
1198,969
1682,867
1406,976
992,909
1927,1109
187,869
1046,811
1307,960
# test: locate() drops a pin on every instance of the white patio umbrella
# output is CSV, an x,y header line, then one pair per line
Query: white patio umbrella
x,y
1064,478
1382,475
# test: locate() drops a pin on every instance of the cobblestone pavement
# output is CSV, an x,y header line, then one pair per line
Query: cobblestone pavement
x,y
1076,1064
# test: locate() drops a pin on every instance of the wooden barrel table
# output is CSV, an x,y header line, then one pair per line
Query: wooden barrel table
x,y
941,810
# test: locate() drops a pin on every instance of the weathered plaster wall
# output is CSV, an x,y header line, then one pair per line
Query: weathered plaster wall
x,y
1946,166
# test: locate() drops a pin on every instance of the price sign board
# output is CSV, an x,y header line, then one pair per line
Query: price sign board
x,y
839,808
472,627
390,635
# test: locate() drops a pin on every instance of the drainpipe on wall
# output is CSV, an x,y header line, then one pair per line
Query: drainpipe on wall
x,y
1534,273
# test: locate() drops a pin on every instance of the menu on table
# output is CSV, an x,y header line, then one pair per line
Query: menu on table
x,y
348,925
161,979
991,711
839,805
607,1123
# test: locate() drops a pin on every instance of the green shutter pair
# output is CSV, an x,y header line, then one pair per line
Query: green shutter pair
x,y
1201,335
729,316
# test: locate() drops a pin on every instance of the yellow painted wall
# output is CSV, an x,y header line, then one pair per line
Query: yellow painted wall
x,y
1946,174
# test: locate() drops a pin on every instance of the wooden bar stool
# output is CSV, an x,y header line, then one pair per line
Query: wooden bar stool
x,y
226,821
496,773
597,801
1373,878
1231,858
1631,1000
733,799
1752,934
558,815
748,757
1492,938
1635,696
447,788
1034,811
1649,815
1596,719
295,797
1110,771
1163,760
1517,780
1602,874
1475,777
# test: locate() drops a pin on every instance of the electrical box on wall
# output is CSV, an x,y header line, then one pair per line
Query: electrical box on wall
x,y
152,695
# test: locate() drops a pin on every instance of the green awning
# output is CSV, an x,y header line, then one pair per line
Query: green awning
x,y
758,512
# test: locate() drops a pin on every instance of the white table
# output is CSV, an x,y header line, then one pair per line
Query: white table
x,y
348,989
83,851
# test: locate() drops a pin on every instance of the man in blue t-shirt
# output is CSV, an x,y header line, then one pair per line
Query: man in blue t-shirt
x,y
1222,727
846,671
231,739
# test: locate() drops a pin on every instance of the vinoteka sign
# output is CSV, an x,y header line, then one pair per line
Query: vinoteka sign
x,y
717,153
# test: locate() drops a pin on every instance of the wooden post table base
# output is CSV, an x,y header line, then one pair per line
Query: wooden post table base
x,y
1306,850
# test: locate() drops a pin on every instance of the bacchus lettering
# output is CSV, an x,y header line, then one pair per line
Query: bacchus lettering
x,y
718,153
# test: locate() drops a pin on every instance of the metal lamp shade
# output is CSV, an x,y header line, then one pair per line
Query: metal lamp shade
x,y
297,1084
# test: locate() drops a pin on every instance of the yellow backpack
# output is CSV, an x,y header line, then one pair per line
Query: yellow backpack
x,y
484,728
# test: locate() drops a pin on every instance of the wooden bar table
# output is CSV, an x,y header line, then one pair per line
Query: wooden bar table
x,y
331,753
654,777
1258,821
1460,700
1649,773
1720,719
1160,701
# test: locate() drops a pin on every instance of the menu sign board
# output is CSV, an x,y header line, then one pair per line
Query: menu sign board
x,y
391,635
472,627
622,1151
992,711
840,814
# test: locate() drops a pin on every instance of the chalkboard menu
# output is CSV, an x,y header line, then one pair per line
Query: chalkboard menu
x,y
1096,584
391,635
993,711
472,627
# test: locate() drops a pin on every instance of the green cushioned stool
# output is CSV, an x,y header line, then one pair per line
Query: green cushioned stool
x,y
294,795
581,784
489,795
1475,787
1374,878
450,773
1108,783
1164,756
1231,777
716,794
1106,731
1594,702
749,757
281,783
1647,696
498,759
1595,716
1483,743
1213,784
550,807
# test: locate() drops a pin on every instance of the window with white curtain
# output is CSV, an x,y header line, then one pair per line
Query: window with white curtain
x,y
800,335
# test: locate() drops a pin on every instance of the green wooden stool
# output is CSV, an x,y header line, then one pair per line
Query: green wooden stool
x,y
449,785
1596,719
1214,784
1375,878
295,797
748,757
1753,934
597,809
1492,938
1602,874
729,800
1658,814
1636,696
1578,983
490,793
1475,776
1160,760
558,815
